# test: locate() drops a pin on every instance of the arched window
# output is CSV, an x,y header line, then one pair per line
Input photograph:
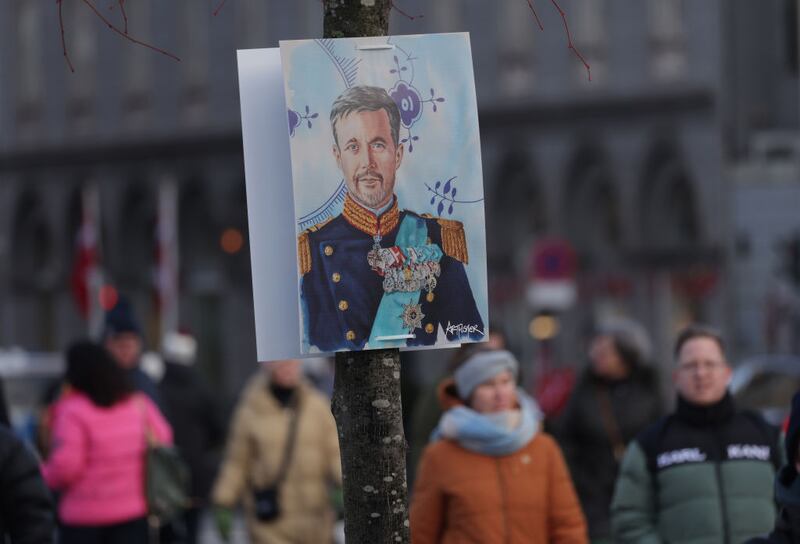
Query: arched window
x,y
593,221
135,252
198,236
516,211
31,244
668,203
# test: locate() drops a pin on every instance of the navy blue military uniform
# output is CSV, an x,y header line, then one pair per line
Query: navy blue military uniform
x,y
341,292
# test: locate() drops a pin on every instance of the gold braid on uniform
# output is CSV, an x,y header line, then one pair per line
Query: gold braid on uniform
x,y
304,246
454,242
366,221
304,253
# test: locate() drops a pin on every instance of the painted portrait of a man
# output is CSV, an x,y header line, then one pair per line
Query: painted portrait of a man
x,y
379,275
386,192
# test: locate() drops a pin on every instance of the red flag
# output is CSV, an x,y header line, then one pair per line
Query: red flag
x,y
85,264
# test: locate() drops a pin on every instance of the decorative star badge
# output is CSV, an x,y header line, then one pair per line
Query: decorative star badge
x,y
412,316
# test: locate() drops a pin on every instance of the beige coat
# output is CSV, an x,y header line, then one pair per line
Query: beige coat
x,y
254,451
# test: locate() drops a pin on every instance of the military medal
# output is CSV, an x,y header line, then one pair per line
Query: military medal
x,y
374,255
412,316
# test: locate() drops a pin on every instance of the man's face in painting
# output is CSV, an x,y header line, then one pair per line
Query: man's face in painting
x,y
368,156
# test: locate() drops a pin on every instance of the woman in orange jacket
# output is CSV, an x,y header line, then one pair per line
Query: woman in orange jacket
x,y
491,474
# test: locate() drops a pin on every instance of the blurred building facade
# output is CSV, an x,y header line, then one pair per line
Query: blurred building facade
x,y
630,168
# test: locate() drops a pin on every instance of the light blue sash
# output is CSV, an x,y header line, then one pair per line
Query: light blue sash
x,y
388,319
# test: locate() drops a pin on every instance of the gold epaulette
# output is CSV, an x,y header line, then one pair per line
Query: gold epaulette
x,y
304,253
454,241
304,246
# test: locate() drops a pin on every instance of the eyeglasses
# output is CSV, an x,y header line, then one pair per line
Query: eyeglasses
x,y
695,367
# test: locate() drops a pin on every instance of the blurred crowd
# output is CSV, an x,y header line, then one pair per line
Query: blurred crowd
x,y
620,462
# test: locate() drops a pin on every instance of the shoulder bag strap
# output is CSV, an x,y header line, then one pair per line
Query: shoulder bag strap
x,y
290,441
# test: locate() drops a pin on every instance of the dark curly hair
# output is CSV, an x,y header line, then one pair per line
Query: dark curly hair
x,y
92,371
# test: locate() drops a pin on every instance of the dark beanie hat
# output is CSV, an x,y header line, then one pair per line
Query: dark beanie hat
x,y
793,430
121,319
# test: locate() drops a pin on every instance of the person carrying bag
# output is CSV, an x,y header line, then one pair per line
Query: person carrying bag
x,y
166,482
281,459
266,499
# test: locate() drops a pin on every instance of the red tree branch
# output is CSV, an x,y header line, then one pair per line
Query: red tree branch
x,y
569,39
125,34
110,25
533,10
219,7
393,6
63,41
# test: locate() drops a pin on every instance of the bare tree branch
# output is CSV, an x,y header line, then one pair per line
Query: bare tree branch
x,y
533,10
393,6
125,34
111,26
63,41
219,7
124,15
569,39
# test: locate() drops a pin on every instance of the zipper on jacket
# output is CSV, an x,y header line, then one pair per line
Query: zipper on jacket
x,y
726,537
723,509
503,505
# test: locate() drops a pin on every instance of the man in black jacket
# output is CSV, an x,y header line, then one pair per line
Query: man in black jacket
x,y
26,507
703,473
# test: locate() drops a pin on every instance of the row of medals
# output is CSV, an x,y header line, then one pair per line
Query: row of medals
x,y
412,275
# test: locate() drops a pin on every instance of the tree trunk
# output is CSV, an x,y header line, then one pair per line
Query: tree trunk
x,y
354,18
369,417
366,390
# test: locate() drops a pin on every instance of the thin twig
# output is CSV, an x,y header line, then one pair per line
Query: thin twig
x,y
63,41
569,39
219,7
125,35
533,10
403,13
124,15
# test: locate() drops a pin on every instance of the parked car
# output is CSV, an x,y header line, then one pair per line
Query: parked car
x,y
766,383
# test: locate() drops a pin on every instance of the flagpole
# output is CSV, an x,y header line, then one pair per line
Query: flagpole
x,y
167,266
94,274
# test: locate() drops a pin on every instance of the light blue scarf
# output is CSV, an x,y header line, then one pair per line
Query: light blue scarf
x,y
490,434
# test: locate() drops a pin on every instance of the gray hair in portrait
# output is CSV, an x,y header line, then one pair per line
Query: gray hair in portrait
x,y
366,98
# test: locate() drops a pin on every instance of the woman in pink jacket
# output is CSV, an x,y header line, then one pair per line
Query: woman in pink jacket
x,y
99,440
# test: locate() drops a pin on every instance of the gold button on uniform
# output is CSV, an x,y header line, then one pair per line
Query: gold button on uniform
x,y
429,297
429,328
336,277
350,335
328,250
343,305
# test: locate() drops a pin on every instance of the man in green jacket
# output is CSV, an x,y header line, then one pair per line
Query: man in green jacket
x,y
703,474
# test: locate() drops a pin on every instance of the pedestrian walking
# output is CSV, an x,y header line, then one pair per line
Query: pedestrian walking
x,y
787,487
281,461
122,337
99,441
195,414
616,397
26,507
491,474
703,473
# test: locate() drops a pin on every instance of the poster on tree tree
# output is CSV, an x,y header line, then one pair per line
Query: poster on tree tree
x,y
388,192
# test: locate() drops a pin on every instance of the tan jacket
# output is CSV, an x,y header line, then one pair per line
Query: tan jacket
x,y
255,447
